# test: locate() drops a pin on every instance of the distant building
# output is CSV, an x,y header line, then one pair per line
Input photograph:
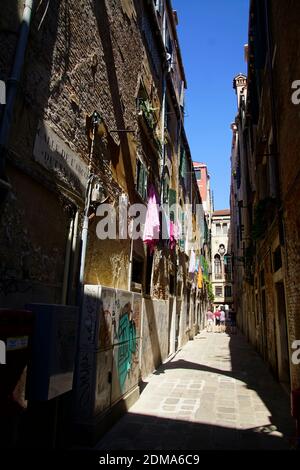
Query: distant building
x,y
221,258
203,181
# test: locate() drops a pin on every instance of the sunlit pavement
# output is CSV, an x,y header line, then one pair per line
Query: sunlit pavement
x,y
215,393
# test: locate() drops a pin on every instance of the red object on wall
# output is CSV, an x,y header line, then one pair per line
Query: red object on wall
x,y
295,403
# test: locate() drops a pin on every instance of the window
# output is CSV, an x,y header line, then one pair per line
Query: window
x,y
169,44
167,116
179,288
141,179
225,229
228,291
172,285
218,229
228,266
238,174
198,174
277,261
218,268
222,249
218,291
159,4
166,186
137,270
151,43
148,272
172,204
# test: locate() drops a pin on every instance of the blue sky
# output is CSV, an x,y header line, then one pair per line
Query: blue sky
x,y
212,34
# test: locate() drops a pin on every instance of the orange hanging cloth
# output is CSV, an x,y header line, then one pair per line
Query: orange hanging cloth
x,y
200,279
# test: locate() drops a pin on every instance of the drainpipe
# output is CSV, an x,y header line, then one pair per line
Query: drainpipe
x,y
84,235
67,262
163,107
74,263
14,81
130,265
96,119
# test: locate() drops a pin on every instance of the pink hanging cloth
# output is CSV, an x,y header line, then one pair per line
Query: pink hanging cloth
x,y
173,235
152,225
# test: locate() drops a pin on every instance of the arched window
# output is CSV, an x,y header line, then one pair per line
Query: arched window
x,y
218,268
222,249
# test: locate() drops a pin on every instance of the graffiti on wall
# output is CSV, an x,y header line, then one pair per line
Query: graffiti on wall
x,y
109,348
127,340
84,384
89,316
107,317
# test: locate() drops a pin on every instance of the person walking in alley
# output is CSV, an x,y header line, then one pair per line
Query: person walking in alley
x,y
222,320
217,316
209,321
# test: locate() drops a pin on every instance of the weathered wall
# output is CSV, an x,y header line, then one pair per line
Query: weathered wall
x,y
107,262
33,243
285,26
108,367
154,335
81,59
283,118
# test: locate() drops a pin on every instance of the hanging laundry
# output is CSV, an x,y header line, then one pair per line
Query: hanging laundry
x,y
173,235
197,265
152,224
192,265
165,221
200,279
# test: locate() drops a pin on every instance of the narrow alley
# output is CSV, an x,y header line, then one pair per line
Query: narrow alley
x,y
215,393
149,193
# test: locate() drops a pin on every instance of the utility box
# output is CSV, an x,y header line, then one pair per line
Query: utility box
x,y
51,368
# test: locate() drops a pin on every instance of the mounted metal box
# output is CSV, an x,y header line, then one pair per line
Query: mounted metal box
x,y
51,368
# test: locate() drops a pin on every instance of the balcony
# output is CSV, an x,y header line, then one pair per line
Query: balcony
x,y
146,110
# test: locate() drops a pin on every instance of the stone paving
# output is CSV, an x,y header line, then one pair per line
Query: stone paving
x,y
215,393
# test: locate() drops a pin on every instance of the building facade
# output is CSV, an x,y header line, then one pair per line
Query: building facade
x,y
203,180
221,259
93,135
265,189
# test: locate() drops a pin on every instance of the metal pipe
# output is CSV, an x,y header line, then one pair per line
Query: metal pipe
x,y
74,264
14,80
67,263
84,234
130,265
84,237
163,110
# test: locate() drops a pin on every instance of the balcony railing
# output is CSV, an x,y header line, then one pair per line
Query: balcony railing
x,y
146,110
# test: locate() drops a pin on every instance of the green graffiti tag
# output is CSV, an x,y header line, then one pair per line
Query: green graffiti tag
x,y
127,347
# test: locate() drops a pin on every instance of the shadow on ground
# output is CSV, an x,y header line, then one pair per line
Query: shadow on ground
x,y
140,432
